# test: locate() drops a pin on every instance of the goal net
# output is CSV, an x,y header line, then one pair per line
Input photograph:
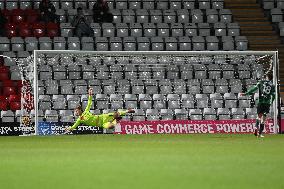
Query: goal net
x,y
197,87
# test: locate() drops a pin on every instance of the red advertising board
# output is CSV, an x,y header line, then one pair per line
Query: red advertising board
x,y
191,127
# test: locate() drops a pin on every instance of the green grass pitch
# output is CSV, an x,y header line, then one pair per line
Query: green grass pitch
x,y
142,161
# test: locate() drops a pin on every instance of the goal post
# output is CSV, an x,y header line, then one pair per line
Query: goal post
x,y
268,59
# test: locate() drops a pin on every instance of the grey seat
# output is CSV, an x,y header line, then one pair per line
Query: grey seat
x,y
158,73
165,87
190,29
115,44
143,44
66,29
236,85
121,4
241,43
216,100
51,116
80,87
212,16
163,30
182,16
139,115
228,71
136,30
200,71
156,16
198,43
137,87
225,15
66,116
204,4
44,102
201,100
73,43
228,43
230,100
208,86
116,16
116,101
223,114
238,113
130,101
129,44
74,71
181,114
244,71
59,43
189,4
58,102
109,86
173,101
209,114
11,4
220,29
7,116
66,87
193,86
149,30
142,15
122,30
171,44
276,15
102,101
217,4
72,101
195,114
87,43
152,115
184,43
187,101
233,29
244,101
145,101
196,16
166,114
251,113
128,16
102,44
212,43
214,71
45,43
221,86
204,29
169,16
151,87
9,58
159,101
31,43
179,87
67,4
177,30
134,4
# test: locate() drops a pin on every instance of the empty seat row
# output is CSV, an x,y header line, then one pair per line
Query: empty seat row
x,y
156,16
118,4
271,4
196,43
146,101
142,115
160,29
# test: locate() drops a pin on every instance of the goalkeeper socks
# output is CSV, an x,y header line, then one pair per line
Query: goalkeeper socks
x,y
257,123
261,128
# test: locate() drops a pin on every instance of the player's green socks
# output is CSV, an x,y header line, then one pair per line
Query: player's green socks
x,y
261,128
257,123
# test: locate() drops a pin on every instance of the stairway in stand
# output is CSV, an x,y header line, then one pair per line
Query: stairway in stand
x,y
257,28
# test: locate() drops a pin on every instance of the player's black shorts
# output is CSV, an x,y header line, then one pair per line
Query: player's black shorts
x,y
263,109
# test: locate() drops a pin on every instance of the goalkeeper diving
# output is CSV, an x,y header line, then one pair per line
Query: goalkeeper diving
x,y
107,121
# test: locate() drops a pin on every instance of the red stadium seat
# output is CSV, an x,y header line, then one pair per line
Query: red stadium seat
x,y
3,103
15,102
39,29
8,83
32,15
52,29
7,91
7,14
1,60
11,30
4,73
18,16
25,30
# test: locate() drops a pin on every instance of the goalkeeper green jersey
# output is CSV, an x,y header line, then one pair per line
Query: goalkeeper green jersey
x,y
89,119
266,92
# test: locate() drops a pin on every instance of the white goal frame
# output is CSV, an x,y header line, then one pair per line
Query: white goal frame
x,y
177,53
